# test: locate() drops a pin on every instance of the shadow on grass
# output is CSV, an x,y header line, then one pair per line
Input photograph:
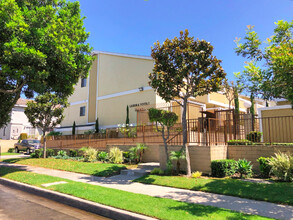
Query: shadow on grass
x,y
14,160
4,170
109,171
205,211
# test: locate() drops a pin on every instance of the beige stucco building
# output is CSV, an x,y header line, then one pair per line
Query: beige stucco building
x,y
116,81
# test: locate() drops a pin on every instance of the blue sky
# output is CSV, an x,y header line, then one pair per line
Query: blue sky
x,y
132,26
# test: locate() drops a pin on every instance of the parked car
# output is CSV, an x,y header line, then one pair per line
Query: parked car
x,y
27,145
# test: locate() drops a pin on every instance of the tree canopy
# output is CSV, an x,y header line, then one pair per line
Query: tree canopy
x,y
275,77
42,49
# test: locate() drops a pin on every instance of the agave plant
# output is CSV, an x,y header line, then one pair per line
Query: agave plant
x,y
115,155
177,155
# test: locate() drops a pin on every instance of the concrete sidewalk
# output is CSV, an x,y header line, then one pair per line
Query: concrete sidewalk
x,y
123,182
3,157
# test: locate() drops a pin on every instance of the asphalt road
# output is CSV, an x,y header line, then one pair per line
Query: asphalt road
x,y
18,205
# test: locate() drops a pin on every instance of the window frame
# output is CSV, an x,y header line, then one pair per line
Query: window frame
x,y
83,82
81,111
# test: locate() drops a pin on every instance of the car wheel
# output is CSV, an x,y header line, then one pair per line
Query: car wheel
x,y
28,151
16,150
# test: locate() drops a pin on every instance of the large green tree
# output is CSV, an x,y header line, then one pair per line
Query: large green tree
x,y
185,67
275,77
42,49
45,112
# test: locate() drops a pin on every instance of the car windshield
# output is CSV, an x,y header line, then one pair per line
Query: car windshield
x,y
33,141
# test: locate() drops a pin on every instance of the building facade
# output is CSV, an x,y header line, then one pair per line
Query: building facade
x,y
116,81
19,123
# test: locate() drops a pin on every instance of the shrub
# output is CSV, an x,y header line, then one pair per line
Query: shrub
x,y
23,136
157,171
54,133
50,153
115,155
169,168
90,155
254,136
103,156
33,155
196,174
72,153
10,150
82,150
89,132
38,153
239,142
244,168
177,155
61,153
282,166
222,168
264,166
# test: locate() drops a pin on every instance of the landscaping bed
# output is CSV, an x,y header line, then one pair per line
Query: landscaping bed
x,y
94,168
151,206
8,154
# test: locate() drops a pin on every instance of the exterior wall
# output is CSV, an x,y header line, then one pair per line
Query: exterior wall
x,y
119,74
112,111
73,114
252,153
92,101
200,157
277,129
6,144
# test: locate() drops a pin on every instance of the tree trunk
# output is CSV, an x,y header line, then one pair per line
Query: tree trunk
x,y
44,145
184,122
178,166
188,161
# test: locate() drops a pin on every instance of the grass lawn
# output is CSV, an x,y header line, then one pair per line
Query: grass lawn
x,y
5,154
96,169
276,192
151,206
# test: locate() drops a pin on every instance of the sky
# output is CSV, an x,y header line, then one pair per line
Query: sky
x,y
132,26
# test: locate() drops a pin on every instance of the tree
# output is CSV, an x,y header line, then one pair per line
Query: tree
x,y
184,67
276,75
127,116
42,49
97,129
166,120
45,112
228,91
73,128
177,155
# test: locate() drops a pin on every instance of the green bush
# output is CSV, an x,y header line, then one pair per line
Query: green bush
x,y
282,166
72,153
264,166
62,153
244,168
254,136
82,150
50,153
157,171
239,142
10,150
38,153
90,155
103,156
222,168
169,168
54,133
115,155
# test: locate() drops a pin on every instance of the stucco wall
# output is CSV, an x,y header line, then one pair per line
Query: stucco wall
x,y
252,153
6,144
73,114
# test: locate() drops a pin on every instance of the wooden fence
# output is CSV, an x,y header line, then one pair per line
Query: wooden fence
x,y
201,131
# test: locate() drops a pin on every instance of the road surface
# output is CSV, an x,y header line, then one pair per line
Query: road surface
x,y
18,205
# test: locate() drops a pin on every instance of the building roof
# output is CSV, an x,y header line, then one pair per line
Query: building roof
x,y
22,101
95,52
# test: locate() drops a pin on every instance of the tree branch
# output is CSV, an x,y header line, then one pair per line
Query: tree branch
x,y
10,91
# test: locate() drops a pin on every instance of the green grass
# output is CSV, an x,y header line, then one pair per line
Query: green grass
x,y
151,206
278,192
4,154
96,169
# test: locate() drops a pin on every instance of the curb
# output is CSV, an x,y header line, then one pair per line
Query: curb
x,y
76,202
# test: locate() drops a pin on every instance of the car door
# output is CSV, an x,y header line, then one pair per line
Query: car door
x,y
23,145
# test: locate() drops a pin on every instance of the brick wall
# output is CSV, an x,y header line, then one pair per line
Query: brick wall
x,y
252,153
200,157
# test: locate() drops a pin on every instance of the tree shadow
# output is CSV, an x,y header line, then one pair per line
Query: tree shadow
x,y
109,171
14,160
4,170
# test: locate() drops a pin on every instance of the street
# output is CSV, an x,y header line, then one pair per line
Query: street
x,y
15,204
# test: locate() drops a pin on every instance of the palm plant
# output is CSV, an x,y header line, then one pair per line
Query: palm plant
x,y
177,155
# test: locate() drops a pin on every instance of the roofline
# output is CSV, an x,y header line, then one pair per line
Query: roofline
x,y
96,52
